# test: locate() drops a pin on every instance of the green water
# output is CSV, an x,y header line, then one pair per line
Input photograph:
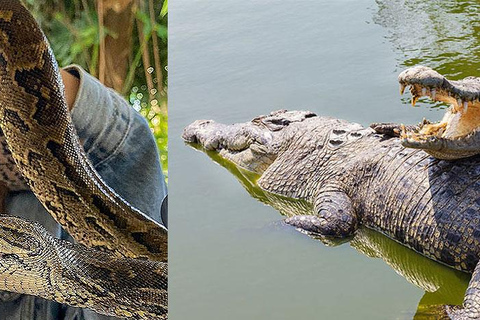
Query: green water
x,y
230,257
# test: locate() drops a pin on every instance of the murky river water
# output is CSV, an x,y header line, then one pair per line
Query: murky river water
x,y
230,60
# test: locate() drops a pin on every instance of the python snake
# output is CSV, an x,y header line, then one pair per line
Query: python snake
x,y
119,266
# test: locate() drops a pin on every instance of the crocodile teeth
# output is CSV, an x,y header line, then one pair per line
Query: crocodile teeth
x,y
414,100
459,104
434,92
424,91
440,132
402,88
465,106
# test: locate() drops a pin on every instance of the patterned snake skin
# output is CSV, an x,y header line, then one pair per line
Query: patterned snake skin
x,y
123,271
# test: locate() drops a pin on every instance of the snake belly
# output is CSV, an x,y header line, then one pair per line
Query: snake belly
x,y
40,135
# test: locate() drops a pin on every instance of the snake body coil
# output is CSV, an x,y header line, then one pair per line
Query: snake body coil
x,y
125,274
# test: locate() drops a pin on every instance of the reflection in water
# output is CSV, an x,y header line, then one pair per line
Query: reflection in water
x,y
443,35
442,285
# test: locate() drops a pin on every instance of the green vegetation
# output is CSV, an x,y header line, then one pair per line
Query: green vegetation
x,y
78,32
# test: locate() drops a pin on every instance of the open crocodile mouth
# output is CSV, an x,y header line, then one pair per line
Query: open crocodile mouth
x,y
460,121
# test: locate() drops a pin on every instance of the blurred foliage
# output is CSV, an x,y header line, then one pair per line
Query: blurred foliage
x,y
72,27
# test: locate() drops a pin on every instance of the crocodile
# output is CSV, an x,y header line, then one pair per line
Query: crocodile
x,y
395,179
442,285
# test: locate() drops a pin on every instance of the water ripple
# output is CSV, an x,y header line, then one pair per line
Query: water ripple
x,y
443,35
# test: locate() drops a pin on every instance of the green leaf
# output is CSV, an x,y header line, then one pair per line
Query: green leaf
x,y
147,26
162,31
164,10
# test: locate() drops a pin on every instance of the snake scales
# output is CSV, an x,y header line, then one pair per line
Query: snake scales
x,y
119,266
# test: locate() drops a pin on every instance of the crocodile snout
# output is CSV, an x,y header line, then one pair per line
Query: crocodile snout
x,y
207,133
216,136
190,132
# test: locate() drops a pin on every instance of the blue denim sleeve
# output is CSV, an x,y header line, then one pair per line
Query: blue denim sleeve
x,y
119,144
122,149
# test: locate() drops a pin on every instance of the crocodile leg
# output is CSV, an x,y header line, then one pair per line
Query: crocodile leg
x,y
335,216
471,302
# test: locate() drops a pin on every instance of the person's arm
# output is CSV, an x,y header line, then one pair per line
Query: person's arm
x,y
71,87
117,140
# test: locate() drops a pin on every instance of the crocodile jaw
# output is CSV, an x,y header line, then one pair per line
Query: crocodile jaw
x,y
461,122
